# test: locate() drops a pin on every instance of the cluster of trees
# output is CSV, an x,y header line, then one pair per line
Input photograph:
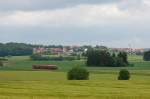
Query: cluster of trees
x,y
104,58
146,56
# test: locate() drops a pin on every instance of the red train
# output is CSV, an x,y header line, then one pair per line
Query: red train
x,y
48,67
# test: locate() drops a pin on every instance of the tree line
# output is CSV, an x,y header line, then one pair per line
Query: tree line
x,y
15,49
20,49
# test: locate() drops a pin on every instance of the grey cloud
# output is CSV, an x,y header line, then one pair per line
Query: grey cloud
x,y
9,5
115,36
134,5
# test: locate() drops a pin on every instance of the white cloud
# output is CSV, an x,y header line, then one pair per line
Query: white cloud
x,y
81,15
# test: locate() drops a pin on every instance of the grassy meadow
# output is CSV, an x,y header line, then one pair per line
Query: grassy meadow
x,y
19,81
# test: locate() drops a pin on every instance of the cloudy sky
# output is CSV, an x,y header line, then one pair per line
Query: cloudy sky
x,y
114,23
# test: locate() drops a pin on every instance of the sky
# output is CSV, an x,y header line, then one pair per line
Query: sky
x,y
113,23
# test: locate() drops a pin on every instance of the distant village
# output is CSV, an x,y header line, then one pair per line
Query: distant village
x,y
56,51
68,50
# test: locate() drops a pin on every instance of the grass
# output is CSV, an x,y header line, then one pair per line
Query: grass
x,y
19,81
23,63
53,85
138,58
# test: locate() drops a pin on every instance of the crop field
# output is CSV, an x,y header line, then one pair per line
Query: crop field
x,y
19,81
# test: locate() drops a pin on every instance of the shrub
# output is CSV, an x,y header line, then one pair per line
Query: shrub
x,y
3,59
38,57
1,63
60,58
78,57
124,75
78,73
68,58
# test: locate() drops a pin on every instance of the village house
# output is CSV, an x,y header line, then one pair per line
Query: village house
x,y
42,50
129,50
56,51
39,50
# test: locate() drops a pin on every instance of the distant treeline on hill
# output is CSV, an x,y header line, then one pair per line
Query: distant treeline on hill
x,y
15,49
19,49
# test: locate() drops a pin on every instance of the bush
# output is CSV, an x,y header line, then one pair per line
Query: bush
x,y
38,57
78,73
68,58
1,63
78,57
60,58
3,59
124,75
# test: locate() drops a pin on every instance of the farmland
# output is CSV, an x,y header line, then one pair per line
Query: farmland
x,y
19,81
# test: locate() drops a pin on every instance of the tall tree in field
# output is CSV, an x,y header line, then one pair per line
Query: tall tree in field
x,y
99,58
123,56
146,56
104,58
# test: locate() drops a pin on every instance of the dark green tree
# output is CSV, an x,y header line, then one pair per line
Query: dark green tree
x,y
99,58
123,56
146,56
114,55
104,58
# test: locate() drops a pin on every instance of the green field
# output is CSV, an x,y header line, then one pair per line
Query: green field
x,y
19,81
